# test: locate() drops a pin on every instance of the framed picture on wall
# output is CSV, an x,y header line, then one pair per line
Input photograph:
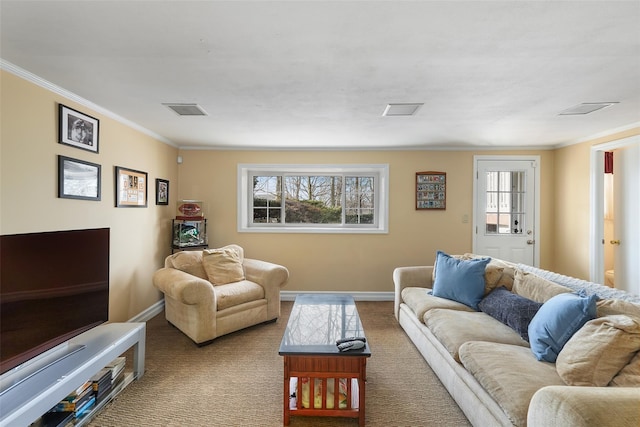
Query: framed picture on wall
x,y
131,188
77,129
162,191
431,190
78,179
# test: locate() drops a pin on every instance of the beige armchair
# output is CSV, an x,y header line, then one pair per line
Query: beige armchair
x,y
203,310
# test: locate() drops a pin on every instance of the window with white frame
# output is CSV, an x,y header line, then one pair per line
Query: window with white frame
x,y
313,198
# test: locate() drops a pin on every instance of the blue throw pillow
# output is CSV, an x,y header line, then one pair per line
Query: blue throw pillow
x,y
513,310
556,321
460,280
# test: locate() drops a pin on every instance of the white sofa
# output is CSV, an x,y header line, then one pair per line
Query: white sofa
x,y
508,385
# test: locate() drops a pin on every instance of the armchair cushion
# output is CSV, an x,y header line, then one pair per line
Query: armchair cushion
x,y
222,265
237,293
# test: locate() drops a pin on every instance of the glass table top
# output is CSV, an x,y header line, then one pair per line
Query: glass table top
x,y
317,321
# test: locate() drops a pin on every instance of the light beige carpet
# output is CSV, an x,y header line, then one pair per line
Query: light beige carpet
x,y
237,380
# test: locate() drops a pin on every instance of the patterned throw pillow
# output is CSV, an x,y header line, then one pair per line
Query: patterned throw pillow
x,y
511,309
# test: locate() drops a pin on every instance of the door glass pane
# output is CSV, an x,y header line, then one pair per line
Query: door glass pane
x,y
492,224
504,223
505,196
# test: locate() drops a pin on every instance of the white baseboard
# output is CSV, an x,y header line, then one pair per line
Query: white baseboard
x,y
157,308
357,296
149,313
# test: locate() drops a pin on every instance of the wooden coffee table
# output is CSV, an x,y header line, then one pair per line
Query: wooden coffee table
x,y
319,380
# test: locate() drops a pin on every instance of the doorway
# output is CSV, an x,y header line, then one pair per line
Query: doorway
x,y
506,212
615,236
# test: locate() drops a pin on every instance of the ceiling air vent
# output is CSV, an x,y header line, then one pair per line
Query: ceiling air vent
x,y
401,109
187,109
585,108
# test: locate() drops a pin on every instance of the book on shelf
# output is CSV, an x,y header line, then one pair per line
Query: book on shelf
x,y
101,383
117,367
66,405
85,407
56,419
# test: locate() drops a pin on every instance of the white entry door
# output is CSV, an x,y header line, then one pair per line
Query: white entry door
x,y
505,213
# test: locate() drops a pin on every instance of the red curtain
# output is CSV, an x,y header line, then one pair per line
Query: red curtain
x,y
608,162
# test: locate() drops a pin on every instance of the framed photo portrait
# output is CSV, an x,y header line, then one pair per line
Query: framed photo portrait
x,y
131,188
78,179
162,191
77,129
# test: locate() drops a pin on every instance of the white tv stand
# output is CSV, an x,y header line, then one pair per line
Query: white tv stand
x,y
30,390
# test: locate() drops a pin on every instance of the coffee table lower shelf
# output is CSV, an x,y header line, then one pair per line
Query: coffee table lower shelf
x,y
310,384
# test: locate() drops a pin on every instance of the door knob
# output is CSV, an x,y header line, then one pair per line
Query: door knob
x,y
530,242
615,242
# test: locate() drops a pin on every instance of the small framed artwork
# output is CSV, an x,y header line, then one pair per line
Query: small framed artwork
x,y
131,188
162,191
431,190
77,129
78,179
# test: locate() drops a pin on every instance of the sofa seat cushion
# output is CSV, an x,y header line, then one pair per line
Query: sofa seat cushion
x,y
454,328
510,374
236,293
420,301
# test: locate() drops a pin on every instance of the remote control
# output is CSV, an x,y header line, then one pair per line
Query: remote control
x,y
351,345
347,339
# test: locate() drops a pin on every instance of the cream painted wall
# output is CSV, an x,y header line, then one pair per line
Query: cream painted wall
x,y
353,262
572,201
140,237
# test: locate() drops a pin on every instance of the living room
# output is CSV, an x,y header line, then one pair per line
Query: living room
x,y
359,264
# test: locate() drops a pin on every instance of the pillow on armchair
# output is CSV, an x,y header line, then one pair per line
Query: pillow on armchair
x,y
223,265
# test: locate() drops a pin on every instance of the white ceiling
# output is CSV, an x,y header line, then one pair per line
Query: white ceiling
x,y
319,74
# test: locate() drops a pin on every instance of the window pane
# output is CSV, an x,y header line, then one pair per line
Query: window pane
x,y
313,199
492,224
359,199
492,181
267,200
504,223
518,224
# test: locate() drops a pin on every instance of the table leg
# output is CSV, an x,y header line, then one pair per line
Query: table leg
x,y
286,392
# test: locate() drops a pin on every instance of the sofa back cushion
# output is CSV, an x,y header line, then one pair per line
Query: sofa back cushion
x,y
629,376
609,307
536,288
599,350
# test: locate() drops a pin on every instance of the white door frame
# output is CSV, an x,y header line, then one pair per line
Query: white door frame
x,y
596,267
508,158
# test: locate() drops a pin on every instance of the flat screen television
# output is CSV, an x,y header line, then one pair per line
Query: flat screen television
x,y
53,286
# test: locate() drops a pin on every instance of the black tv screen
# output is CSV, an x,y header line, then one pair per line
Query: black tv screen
x,y
53,286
